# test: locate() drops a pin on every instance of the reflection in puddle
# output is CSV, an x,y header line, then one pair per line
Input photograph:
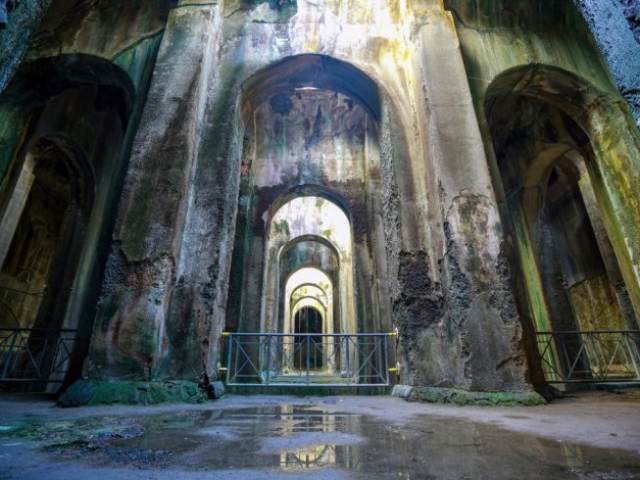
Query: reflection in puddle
x,y
301,439
309,457
297,439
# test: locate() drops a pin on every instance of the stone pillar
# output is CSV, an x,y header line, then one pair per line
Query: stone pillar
x,y
11,218
606,249
477,343
616,145
129,337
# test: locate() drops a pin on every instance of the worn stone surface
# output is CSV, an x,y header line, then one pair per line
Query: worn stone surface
x,y
131,332
16,29
631,9
619,46
88,108
109,392
452,396
575,69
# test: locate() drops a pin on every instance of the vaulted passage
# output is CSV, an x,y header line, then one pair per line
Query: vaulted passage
x,y
308,233
49,202
308,320
560,213
440,195
56,209
309,246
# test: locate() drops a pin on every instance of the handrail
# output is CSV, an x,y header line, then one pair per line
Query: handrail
x,y
39,329
574,332
39,355
307,359
249,334
590,356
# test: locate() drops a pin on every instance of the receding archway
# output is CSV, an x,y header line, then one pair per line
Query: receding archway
x,y
62,170
565,231
40,240
307,217
308,320
310,196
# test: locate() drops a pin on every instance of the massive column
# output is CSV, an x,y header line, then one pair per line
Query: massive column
x,y
616,145
476,342
131,332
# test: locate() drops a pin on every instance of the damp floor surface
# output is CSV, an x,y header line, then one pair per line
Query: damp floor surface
x,y
586,437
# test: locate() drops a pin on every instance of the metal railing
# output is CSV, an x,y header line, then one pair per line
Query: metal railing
x,y
35,354
590,356
329,360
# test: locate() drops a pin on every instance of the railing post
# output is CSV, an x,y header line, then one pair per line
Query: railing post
x,y
260,363
236,344
634,361
348,360
13,343
230,347
386,359
308,366
601,373
268,359
380,342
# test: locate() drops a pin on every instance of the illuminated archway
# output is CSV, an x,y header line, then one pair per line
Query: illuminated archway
x,y
307,217
309,140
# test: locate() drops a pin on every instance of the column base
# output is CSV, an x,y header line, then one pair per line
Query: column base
x,y
455,396
126,392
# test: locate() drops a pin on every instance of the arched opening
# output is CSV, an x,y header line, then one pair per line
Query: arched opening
x,y
310,158
562,223
580,274
327,244
310,200
309,317
40,237
308,320
311,254
62,171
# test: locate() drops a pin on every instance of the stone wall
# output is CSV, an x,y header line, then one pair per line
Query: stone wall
x,y
631,9
83,77
383,109
619,45
169,273
21,24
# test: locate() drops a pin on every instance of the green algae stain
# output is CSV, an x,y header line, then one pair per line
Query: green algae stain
x,y
110,392
89,433
282,227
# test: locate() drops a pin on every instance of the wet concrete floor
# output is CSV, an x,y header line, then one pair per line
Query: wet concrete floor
x,y
323,438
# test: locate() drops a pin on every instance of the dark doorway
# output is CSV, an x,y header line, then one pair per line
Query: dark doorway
x,y
308,349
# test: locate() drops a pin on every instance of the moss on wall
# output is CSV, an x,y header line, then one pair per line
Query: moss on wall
x,y
109,392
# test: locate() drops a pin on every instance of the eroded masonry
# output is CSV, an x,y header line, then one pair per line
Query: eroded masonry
x,y
441,196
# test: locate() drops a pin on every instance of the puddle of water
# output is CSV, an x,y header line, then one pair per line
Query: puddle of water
x,y
298,439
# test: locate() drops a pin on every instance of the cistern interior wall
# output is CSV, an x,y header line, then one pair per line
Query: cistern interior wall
x,y
463,172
